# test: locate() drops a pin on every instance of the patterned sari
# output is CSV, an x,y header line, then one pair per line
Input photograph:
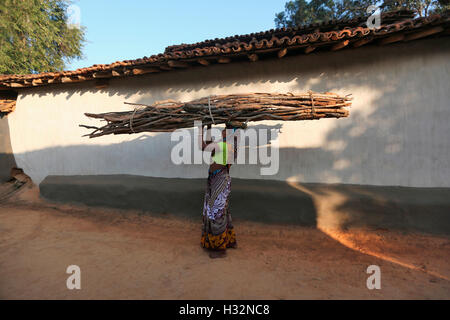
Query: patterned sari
x,y
217,230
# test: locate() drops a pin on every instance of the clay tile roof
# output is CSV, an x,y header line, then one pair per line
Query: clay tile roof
x,y
399,26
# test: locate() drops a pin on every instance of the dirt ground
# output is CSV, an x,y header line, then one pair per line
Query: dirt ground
x,y
136,255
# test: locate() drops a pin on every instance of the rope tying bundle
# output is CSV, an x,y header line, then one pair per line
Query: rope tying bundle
x,y
209,106
132,117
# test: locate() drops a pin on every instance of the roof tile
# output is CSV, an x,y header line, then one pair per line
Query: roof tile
x,y
325,35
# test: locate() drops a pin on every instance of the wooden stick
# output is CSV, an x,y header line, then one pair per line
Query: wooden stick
x,y
169,115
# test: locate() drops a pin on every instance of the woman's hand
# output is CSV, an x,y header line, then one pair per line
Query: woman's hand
x,y
202,143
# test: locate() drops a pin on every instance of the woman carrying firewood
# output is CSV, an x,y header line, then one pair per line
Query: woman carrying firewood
x,y
217,230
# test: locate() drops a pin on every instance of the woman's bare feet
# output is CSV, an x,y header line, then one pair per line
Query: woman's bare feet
x,y
233,245
217,254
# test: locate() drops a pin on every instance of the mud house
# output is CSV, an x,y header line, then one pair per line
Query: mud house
x,y
397,134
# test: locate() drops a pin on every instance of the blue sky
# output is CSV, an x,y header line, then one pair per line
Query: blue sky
x,y
122,30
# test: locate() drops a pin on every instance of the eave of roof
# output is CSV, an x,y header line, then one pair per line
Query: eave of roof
x,y
332,35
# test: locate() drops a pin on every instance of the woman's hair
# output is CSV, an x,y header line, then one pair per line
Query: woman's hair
x,y
235,125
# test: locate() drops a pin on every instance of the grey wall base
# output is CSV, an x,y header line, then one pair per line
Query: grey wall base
x,y
268,201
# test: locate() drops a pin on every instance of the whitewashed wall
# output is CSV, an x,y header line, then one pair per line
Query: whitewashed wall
x,y
397,134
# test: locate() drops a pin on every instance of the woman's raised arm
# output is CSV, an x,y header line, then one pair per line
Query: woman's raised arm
x,y
201,142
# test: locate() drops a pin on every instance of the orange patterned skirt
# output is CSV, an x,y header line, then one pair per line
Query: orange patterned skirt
x,y
217,229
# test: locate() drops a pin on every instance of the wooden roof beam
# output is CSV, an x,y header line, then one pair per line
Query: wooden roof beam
x,y
282,53
116,73
165,67
37,82
138,71
203,62
16,85
53,80
340,45
73,79
224,60
102,84
423,33
309,49
177,64
253,57
102,74
361,42
392,39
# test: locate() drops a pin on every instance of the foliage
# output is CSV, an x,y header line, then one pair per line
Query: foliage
x,y
301,12
35,36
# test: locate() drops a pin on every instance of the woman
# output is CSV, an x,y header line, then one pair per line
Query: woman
x,y
217,231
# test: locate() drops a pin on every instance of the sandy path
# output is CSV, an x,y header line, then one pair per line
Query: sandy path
x,y
130,255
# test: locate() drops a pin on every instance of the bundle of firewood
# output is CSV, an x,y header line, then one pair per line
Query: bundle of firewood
x,y
170,115
7,106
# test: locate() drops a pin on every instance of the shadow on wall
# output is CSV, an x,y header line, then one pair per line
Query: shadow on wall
x,y
147,154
